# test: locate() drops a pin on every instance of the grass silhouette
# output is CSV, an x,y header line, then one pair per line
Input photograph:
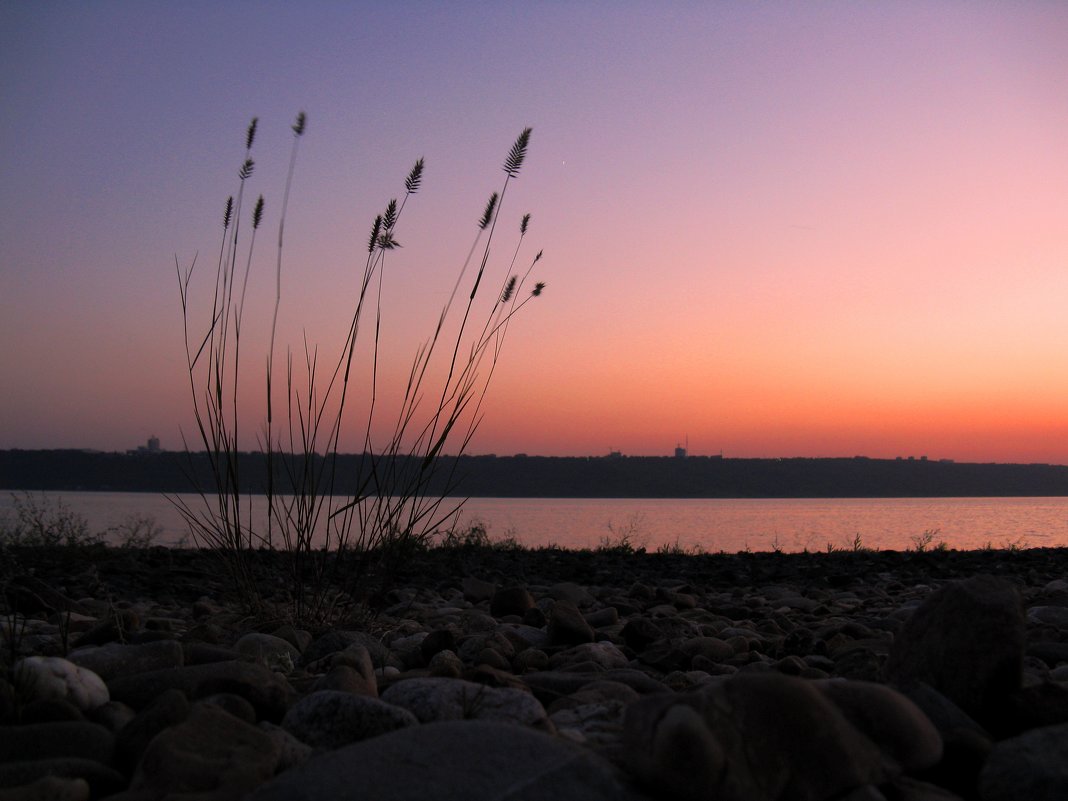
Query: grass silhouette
x,y
331,540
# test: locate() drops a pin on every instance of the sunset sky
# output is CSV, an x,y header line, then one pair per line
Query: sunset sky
x,y
777,229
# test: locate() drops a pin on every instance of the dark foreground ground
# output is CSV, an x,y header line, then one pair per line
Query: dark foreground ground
x,y
185,575
492,673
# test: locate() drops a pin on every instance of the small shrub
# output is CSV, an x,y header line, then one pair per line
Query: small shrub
x,y
626,538
921,542
42,522
473,536
135,531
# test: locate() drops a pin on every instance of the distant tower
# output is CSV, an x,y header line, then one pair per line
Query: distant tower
x,y
153,444
680,450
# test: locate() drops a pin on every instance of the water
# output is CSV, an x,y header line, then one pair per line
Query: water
x,y
709,525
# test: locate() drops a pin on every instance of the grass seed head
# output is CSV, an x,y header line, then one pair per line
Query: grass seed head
x,y
487,215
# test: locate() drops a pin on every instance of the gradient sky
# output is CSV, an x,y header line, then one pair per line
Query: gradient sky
x,y
777,229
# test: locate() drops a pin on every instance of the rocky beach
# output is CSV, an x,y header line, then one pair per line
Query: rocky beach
x,y
503,673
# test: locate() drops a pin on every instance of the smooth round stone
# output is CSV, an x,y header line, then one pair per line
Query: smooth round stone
x,y
329,719
46,677
116,659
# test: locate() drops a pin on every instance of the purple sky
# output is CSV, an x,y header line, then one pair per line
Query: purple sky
x,y
779,229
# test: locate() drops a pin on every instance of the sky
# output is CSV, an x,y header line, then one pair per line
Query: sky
x,y
769,229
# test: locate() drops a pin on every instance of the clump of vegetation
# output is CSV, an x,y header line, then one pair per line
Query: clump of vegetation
x,y
42,522
332,537
926,541
624,538
475,536
39,522
676,548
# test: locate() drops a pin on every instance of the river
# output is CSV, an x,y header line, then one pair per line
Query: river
x,y
689,524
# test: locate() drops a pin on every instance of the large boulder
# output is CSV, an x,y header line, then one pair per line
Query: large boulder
x,y
764,737
454,761
967,641
1033,765
211,755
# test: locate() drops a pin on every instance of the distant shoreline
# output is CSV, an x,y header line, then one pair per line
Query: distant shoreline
x,y
562,477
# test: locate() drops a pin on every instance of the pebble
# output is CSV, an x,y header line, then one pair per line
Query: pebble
x,y
876,676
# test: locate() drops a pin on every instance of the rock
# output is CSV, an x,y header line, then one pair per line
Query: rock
x,y
347,679
665,655
604,655
511,601
434,699
50,710
44,677
1050,652
905,788
102,780
435,642
550,685
113,716
889,719
1033,765
967,641
298,638
25,587
572,593
338,640
272,652
603,618
237,706
115,659
291,751
639,632
60,739
474,648
211,754
169,708
1032,707
446,664
597,725
530,659
523,636
1055,616
117,626
567,626
596,692
476,590
781,737
204,653
328,719
266,691
499,761
711,648
48,788
965,744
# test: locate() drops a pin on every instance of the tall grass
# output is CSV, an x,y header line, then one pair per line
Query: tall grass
x,y
333,538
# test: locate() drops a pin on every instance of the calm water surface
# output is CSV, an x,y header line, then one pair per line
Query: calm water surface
x,y
711,525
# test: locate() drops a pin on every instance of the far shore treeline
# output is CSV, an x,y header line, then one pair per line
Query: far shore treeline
x,y
559,477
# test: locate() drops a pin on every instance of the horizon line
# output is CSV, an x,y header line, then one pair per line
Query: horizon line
x,y
922,459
